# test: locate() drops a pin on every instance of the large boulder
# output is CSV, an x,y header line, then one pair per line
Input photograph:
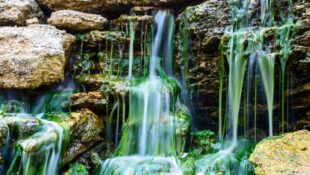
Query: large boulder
x,y
286,154
76,21
17,12
33,56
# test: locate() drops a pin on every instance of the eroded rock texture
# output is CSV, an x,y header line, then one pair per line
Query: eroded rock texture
x,y
286,154
17,12
76,21
33,56
200,30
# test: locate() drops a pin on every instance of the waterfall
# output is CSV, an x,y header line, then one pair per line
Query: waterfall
x,y
149,141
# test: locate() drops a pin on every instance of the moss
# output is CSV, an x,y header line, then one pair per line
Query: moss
x,y
77,169
202,141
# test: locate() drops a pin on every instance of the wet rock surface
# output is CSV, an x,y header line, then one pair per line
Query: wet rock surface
x,y
200,30
286,154
33,56
17,12
76,21
85,129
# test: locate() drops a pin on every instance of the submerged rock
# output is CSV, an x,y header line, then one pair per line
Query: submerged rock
x,y
285,154
33,56
17,12
76,21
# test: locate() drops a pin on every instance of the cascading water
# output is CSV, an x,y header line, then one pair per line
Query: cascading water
x,y
149,142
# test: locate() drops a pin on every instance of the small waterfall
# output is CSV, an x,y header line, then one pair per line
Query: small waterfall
x,y
38,154
50,140
149,141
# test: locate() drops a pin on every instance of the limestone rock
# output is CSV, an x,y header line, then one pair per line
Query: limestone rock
x,y
90,100
286,154
76,21
85,129
17,12
33,56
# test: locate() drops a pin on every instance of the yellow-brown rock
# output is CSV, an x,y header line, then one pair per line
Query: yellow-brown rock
x,y
283,155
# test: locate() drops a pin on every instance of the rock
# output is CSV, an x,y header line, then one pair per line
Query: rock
x,y
4,132
92,158
77,169
76,21
90,100
285,154
17,12
22,126
94,38
85,130
105,5
110,85
33,56
198,58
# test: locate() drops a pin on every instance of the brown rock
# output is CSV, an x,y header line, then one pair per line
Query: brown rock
x,y
76,21
91,100
33,56
286,154
17,12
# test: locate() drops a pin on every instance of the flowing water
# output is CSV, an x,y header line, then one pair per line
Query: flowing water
x,y
155,129
149,140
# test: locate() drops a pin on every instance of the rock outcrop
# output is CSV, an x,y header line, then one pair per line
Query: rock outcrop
x,y
200,31
286,154
33,56
105,5
17,12
76,21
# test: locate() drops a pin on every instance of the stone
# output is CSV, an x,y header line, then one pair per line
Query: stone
x,y
4,132
91,100
33,56
285,154
85,129
76,21
198,58
105,5
17,12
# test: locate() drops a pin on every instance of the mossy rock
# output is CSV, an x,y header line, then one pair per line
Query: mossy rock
x,y
77,169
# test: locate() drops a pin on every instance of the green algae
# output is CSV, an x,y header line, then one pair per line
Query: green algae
x,y
77,169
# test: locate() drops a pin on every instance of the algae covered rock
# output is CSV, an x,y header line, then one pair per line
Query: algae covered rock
x,y
77,169
285,154
85,129
17,12
33,56
76,21
4,133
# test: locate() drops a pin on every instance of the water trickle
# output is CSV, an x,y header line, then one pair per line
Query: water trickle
x,y
149,140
